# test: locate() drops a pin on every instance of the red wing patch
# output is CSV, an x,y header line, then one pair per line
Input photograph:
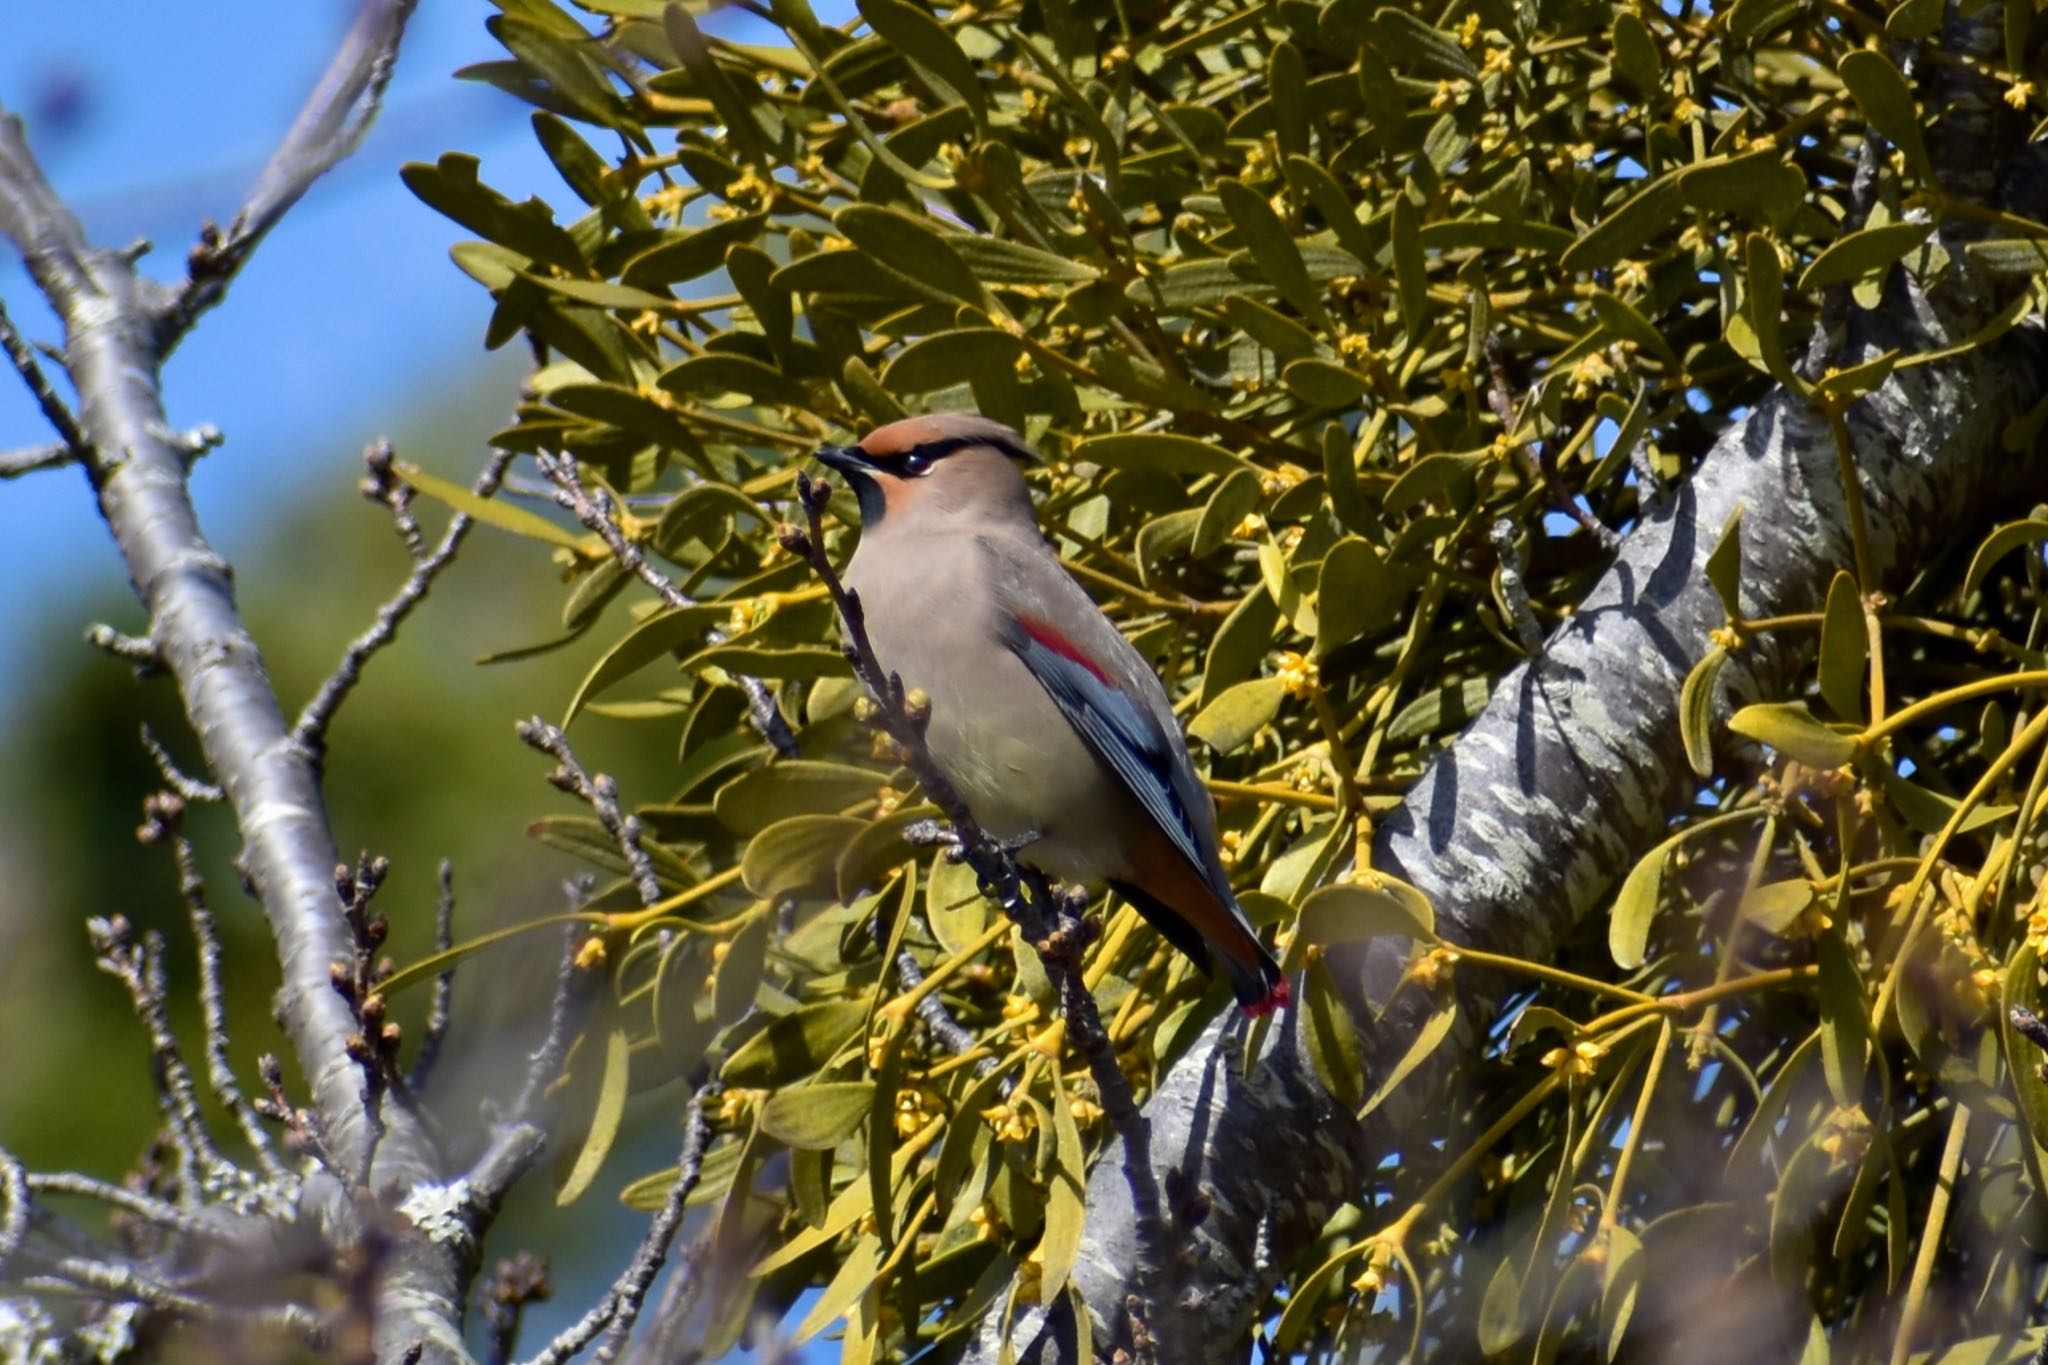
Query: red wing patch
x,y
1059,644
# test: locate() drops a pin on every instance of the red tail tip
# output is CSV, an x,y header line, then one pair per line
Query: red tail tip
x,y
1277,996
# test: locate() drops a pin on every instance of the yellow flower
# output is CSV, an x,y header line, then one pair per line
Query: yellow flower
x,y
1299,676
590,954
2018,93
1577,1061
1248,526
1435,966
1632,275
1084,1111
1591,371
1499,61
1355,346
1468,31
1232,842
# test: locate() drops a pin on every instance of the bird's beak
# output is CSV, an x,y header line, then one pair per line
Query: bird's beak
x,y
848,460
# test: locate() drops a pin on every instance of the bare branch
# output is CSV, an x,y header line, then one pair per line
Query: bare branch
x,y
503,1297
574,990
1514,586
1541,467
14,1224
595,510
134,1203
616,1313
330,126
163,820
310,732
137,650
55,410
438,1012
188,788
601,794
29,459
139,967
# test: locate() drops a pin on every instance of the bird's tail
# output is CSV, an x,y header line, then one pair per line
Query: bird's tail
x,y
1212,933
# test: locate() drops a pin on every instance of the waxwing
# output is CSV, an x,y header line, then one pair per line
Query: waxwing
x,y
1053,728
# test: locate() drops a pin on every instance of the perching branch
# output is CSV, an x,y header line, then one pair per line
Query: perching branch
x,y
440,1010
55,411
329,127
601,794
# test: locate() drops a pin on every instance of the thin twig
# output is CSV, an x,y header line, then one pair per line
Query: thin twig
x,y
132,1202
574,990
122,1283
137,650
310,732
14,1224
329,127
29,459
440,1010
188,788
55,411
1542,465
595,510
163,822
1514,587
616,1313
139,967
503,1297
601,794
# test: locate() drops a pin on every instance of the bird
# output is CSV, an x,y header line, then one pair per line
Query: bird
x,y
1049,724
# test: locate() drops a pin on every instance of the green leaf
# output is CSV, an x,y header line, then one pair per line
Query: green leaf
x,y
1635,906
1724,566
2023,1060
1792,731
1447,707
1414,44
1845,1020
1241,641
1411,267
503,515
1621,320
1845,647
2011,536
1862,253
1696,710
738,982
1774,906
1229,722
1761,183
819,1116
912,248
1427,1040
604,1121
1160,451
1881,92
1929,811
798,856
1357,593
715,375
1333,1039
1272,246
1636,54
1640,217
681,256
1354,911
927,46
1764,277
451,186
659,634
948,358
1233,499
796,1045
1066,1189
996,260
1621,1278
755,800
1323,383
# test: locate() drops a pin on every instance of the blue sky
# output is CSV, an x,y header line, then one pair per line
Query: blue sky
x,y
150,119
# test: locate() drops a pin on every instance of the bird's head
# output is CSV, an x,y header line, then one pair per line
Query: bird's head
x,y
925,470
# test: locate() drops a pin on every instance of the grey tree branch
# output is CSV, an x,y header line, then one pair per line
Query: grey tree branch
x,y
29,459
329,127
55,411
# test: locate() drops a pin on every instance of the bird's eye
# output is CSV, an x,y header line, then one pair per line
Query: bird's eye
x,y
916,463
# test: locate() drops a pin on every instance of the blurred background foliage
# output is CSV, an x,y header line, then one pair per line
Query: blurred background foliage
x,y
1234,271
